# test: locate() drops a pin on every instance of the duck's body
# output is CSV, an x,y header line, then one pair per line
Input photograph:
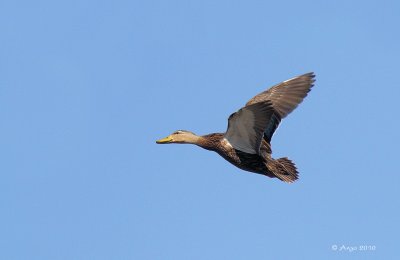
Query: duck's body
x,y
261,163
246,143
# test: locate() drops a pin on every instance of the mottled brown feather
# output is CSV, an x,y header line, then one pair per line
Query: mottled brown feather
x,y
262,163
287,95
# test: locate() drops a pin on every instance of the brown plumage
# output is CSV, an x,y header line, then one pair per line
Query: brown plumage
x,y
246,143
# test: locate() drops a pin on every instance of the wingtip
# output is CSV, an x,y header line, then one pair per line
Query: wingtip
x,y
310,74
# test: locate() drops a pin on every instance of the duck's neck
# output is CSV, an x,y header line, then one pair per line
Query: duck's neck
x,y
210,141
189,139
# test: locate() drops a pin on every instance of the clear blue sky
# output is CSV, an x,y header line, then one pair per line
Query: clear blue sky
x,y
86,87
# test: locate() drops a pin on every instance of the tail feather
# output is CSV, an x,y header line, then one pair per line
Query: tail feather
x,y
285,170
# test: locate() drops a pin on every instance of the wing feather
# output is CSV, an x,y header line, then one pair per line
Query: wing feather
x,y
285,97
246,127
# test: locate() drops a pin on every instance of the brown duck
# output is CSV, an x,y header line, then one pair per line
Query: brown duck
x,y
246,142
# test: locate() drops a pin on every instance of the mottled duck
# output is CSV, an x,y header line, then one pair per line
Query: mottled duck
x,y
246,142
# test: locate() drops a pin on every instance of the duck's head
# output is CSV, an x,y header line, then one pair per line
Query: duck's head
x,y
180,137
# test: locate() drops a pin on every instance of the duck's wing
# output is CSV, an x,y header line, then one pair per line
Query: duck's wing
x,y
246,127
285,97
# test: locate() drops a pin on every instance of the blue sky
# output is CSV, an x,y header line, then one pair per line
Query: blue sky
x,y
88,86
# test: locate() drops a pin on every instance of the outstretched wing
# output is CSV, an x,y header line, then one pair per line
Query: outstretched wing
x,y
246,127
285,97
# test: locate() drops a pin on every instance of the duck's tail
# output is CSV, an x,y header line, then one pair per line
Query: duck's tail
x,y
284,169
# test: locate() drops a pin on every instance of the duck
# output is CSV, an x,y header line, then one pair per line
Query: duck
x,y
247,141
